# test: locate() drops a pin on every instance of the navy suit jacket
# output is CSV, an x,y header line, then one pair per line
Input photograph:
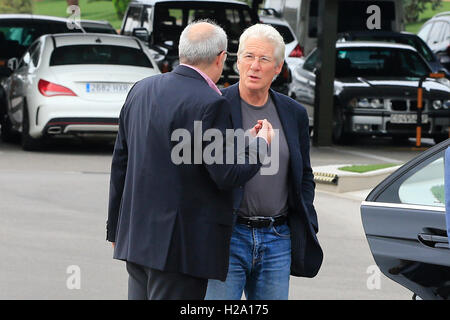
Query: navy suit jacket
x,y
174,218
307,254
447,188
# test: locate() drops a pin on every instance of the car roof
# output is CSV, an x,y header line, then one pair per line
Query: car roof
x,y
25,16
153,2
96,22
373,44
65,39
441,16
380,33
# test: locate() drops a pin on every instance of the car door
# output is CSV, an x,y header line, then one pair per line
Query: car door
x,y
405,226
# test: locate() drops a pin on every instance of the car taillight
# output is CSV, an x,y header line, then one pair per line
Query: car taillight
x,y
297,52
50,89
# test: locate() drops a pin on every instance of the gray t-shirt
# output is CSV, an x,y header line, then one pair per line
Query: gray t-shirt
x,y
266,195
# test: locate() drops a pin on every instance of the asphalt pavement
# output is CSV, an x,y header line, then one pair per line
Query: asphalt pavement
x,y
53,207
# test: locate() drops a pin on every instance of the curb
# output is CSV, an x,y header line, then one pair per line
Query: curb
x,y
330,178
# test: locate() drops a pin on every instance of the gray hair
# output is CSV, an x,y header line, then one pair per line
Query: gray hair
x,y
201,48
267,32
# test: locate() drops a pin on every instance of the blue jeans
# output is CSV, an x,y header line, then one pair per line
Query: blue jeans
x,y
260,264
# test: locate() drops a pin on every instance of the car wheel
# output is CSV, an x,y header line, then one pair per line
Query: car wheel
x,y
28,143
339,136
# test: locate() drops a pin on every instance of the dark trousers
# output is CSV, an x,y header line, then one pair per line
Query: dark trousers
x,y
151,284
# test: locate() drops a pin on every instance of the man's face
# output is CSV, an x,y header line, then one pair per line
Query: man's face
x,y
257,66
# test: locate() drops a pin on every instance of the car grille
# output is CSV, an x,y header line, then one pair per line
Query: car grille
x,y
405,105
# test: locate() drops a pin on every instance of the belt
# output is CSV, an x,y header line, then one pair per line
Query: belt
x,y
261,222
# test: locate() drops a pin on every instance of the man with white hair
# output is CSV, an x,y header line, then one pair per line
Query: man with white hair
x,y
171,222
276,224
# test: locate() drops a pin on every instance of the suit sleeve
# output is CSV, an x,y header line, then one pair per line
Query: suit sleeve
x,y
308,184
447,188
117,180
245,163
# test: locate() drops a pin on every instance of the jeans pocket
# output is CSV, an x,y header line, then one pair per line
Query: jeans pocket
x,y
282,231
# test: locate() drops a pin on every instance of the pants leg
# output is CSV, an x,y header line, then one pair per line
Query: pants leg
x,y
239,267
175,286
137,282
151,284
270,276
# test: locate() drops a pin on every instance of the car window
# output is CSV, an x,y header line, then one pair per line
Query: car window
x,y
99,30
445,32
35,52
99,54
426,186
379,62
425,31
285,32
435,33
147,19
132,21
311,62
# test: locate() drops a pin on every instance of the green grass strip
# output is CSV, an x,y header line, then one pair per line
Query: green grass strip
x,y
438,193
367,167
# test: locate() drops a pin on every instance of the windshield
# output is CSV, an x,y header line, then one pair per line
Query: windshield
x,y
99,54
379,62
172,18
16,36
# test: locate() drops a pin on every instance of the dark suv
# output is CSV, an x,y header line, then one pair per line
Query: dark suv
x,y
436,33
164,21
18,31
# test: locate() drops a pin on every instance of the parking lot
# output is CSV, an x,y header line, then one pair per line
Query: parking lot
x,y
53,206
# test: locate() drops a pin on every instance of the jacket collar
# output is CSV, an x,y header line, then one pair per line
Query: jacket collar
x,y
188,72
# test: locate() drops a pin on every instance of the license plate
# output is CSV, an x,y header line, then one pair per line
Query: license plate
x,y
100,87
407,118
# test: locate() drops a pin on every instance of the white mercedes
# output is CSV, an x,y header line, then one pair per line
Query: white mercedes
x,y
72,85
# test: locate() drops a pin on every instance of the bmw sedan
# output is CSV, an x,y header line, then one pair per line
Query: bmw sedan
x,y
375,92
71,85
404,220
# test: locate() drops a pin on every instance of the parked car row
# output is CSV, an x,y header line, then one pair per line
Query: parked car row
x,y
375,91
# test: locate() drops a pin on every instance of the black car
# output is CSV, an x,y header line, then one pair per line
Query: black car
x,y
405,225
164,20
18,32
398,37
375,92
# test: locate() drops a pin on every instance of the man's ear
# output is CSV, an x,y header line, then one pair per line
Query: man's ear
x,y
279,68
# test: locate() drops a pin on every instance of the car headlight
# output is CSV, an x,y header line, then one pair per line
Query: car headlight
x,y
366,103
437,104
446,104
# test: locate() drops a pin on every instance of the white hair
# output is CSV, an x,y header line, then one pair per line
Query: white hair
x,y
201,48
267,32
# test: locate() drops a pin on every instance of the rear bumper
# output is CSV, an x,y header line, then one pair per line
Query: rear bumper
x,y
66,117
82,126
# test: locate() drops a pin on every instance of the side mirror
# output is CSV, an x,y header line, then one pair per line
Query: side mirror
x,y
141,33
13,63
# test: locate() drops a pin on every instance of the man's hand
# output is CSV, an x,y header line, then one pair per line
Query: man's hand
x,y
266,131
113,244
254,131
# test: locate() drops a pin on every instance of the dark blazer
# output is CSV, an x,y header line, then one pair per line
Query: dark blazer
x,y
174,218
307,255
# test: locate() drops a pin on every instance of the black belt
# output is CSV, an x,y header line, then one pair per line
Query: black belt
x,y
261,222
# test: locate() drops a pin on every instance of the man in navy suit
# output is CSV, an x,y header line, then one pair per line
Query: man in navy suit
x,y
171,221
275,231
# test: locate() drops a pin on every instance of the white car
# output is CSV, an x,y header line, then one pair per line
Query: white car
x,y
71,84
294,51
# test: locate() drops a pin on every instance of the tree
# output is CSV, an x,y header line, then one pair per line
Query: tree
x,y
121,7
413,8
16,6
